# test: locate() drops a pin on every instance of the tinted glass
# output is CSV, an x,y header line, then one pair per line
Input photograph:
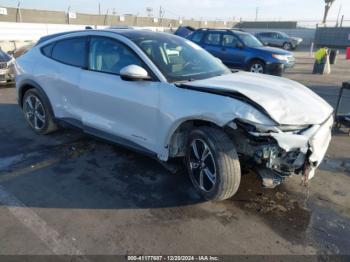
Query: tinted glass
x,y
47,50
4,57
212,38
110,56
179,59
197,37
229,40
70,51
250,40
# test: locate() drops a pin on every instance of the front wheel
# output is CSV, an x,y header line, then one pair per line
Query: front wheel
x,y
213,163
287,46
257,66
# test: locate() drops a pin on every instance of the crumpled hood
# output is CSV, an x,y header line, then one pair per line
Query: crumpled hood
x,y
287,102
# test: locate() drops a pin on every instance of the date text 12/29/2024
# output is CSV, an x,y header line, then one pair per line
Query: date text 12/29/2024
x,y
172,258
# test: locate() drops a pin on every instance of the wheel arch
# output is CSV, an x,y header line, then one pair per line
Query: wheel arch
x,y
30,84
178,134
255,58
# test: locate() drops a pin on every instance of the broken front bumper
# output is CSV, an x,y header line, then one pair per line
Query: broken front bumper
x,y
276,155
313,143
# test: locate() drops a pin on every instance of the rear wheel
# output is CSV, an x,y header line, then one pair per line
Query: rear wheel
x,y
212,163
37,113
257,66
287,46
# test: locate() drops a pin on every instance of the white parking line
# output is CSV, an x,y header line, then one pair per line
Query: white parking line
x,y
50,237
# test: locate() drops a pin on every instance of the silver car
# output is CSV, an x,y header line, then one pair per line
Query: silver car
x,y
165,96
6,68
279,39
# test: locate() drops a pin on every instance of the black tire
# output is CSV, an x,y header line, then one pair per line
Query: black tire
x,y
254,65
48,125
224,155
287,46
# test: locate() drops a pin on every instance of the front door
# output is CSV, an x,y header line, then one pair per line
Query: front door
x,y
232,52
120,110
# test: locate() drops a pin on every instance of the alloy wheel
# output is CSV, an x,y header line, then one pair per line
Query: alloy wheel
x,y
202,165
257,68
34,112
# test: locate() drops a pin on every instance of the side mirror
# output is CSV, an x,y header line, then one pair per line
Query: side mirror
x,y
134,73
239,45
265,43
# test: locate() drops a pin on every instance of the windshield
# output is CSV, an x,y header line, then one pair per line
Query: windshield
x,y
250,40
4,57
284,35
180,59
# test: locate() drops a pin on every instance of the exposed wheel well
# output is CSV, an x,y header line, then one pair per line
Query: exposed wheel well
x,y
179,138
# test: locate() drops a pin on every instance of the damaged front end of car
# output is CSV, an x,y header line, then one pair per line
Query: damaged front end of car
x,y
276,152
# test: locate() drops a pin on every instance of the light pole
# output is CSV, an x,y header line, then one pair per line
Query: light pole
x,y
328,4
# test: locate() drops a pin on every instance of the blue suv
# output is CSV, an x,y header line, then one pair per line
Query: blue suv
x,y
242,50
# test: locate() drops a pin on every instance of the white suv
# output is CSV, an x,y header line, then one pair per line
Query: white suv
x,y
165,96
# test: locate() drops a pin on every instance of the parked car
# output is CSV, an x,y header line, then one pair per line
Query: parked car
x,y
6,68
279,39
184,31
22,50
242,50
165,96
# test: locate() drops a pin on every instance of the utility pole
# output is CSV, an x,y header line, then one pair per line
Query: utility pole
x,y
18,14
161,15
256,13
341,22
68,18
340,7
99,8
106,17
328,4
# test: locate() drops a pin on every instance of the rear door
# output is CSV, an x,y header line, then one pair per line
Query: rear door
x,y
264,37
60,75
122,111
212,43
274,39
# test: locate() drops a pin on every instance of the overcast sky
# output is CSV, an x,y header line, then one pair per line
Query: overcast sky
x,y
205,9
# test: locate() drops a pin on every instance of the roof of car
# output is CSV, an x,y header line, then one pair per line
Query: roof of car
x,y
136,33
128,33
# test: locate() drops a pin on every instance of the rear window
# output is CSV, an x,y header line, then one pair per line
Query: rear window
x,y
47,50
70,51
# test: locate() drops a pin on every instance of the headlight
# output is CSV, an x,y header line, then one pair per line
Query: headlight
x,y
257,128
280,57
260,128
10,63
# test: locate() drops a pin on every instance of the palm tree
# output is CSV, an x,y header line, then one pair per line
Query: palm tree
x,y
326,9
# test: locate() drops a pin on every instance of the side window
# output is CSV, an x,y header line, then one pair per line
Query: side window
x,y
274,35
197,37
47,50
212,38
110,56
70,51
229,40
